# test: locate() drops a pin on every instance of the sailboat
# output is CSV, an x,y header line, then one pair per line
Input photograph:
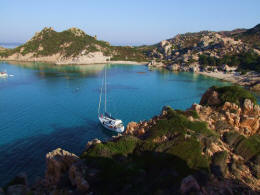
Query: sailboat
x,y
3,74
106,119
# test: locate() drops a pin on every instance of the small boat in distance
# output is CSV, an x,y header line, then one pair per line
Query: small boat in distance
x,y
106,119
3,74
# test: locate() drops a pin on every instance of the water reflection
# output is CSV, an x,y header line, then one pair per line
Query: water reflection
x,y
67,71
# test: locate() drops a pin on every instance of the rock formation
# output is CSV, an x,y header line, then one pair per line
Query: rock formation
x,y
58,163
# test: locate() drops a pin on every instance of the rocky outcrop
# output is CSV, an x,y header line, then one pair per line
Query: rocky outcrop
x,y
255,86
185,48
58,163
137,129
230,116
210,98
92,142
76,176
155,64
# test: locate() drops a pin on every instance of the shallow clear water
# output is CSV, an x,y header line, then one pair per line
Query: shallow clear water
x,y
43,107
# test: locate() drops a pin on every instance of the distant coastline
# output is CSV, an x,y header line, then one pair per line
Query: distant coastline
x,y
10,45
102,63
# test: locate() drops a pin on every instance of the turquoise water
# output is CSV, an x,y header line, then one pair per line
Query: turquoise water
x,y
43,107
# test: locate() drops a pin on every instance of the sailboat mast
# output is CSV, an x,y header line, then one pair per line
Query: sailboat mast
x,y
105,89
100,96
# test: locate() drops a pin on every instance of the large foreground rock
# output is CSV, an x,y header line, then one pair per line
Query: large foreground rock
x,y
76,176
188,185
58,163
17,190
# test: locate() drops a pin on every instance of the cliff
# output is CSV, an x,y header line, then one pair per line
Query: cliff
x,y
211,148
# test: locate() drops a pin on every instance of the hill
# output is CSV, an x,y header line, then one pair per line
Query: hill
x,y
250,36
207,50
72,46
211,148
200,51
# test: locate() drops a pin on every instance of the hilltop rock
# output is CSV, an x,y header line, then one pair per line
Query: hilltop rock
x,y
77,32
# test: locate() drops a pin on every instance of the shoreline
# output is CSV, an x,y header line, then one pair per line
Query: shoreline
x,y
247,80
250,80
61,64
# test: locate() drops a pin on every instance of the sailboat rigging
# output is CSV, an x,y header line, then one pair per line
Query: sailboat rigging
x,y
105,118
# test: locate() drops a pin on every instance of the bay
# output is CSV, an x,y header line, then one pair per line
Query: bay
x,y
44,106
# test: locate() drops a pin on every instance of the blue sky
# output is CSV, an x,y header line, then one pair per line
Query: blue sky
x,y
122,22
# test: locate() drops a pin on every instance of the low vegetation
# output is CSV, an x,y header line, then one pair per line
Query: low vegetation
x,y
234,94
139,162
73,42
245,61
249,147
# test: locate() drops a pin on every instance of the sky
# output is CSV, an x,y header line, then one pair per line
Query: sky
x,y
125,22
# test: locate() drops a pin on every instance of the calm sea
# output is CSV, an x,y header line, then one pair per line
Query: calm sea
x,y
44,106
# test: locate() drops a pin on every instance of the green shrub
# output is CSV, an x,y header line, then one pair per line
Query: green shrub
x,y
232,138
188,113
190,151
234,94
177,123
123,146
218,164
248,148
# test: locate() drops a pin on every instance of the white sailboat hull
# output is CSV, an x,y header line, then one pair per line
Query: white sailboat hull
x,y
3,75
106,123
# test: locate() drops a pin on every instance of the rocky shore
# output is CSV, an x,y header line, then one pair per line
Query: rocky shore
x,y
250,80
232,56
211,148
